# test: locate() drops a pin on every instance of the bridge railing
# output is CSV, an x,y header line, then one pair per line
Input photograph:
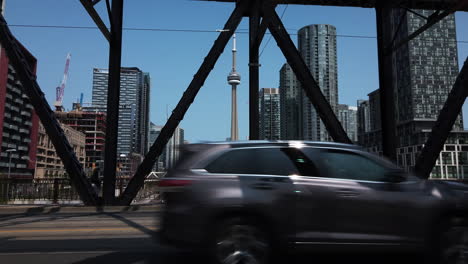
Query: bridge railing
x,y
59,190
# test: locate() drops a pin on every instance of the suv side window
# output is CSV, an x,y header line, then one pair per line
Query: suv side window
x,y
268,161
349,165
303,163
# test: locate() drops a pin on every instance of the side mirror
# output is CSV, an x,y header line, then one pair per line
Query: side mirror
x,y
395,176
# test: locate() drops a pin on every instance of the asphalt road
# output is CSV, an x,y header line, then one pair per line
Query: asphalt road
x,y
113,238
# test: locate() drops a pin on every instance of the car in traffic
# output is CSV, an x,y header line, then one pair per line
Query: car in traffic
x,y
246,202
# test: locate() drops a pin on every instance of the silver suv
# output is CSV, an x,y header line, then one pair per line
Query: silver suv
x,y
244,202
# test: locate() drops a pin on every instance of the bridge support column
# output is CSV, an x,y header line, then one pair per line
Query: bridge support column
x,y
113,99
254,43
386,89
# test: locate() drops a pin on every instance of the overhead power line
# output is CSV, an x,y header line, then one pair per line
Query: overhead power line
x,y
240,31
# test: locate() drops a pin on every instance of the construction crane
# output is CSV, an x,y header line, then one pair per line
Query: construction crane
x,y
60,89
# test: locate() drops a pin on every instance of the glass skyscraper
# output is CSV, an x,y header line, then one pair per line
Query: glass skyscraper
x,y
290,105
134,107
269,104
347,115
317,45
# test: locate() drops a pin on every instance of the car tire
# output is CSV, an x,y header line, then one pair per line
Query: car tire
x,y
453,242
240,241
448,243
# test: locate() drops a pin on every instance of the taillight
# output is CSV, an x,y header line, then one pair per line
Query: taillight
x,y
173,183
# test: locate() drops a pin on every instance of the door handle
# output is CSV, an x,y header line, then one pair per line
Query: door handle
x,y
347,193
262,186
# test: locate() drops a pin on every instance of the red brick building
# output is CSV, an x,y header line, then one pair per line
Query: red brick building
x,y
19,123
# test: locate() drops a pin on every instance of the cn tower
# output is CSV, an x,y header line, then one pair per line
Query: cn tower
x,y
234,80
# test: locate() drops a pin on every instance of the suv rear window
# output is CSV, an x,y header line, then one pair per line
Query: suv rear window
x,y
268,161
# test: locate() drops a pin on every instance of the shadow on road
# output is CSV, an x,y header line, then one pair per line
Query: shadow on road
x,y
44,218
133,224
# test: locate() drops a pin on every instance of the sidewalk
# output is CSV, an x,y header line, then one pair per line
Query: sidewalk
x,y
56,209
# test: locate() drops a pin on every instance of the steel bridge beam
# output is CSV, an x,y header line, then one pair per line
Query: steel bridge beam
x,y
303,74
441,129
189,96
89,6
254,43
113,103
46,115
387,100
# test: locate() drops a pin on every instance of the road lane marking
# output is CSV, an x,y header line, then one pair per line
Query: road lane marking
x,y
75,230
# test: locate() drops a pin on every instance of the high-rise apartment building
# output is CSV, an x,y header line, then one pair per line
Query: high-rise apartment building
x,y
374,111
424,71
172,148
347,115
290,104
363,119
317,45
133,110
153,135
269,114
19,122
171,152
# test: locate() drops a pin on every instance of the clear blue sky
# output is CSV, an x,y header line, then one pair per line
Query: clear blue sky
x,y
172,58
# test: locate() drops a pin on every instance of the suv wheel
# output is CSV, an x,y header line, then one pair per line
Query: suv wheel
x,y
238,241
454,243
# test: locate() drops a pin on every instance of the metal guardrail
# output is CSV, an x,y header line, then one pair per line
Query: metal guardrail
x,y
60,190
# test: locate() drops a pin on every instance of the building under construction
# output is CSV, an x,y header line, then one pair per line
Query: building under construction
x,y
48,163
93,125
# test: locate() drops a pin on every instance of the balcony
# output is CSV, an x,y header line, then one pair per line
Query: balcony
x,y
19,101
28,123
26,113
16,137
17,119
22,148
29,106
12,127
25,131
5,134
27,140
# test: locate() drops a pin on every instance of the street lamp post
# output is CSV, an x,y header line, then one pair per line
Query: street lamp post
x,y
9,160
